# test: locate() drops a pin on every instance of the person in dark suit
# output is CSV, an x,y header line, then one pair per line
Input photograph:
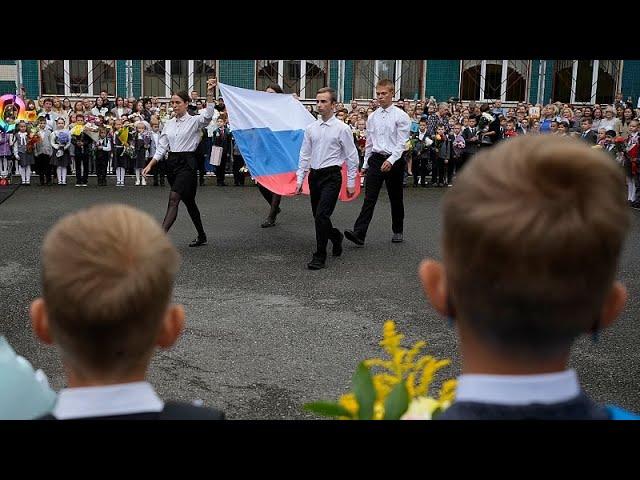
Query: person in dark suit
x,y
520,294
490,131
107,328
192,108
421,154
222,138
108,104
471,141
588,135
238,164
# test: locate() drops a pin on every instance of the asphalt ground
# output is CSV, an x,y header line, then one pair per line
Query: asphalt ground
x,y
264,334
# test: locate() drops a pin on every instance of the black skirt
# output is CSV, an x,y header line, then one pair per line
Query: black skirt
x,y
182,174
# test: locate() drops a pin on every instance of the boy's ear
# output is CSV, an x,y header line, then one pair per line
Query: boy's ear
x,y
434,283
172,326
40,321
613,304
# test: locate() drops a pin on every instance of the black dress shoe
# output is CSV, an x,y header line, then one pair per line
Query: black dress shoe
x,y
337,246
316,264
351,236
268,223
397,238
198,241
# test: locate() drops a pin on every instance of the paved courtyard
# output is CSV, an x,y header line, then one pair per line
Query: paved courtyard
x,y
264,334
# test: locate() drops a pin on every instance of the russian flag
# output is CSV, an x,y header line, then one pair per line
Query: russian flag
x,y
268,129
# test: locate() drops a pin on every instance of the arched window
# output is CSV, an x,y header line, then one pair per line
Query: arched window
x,y
585,81
407,76
77,77
504,80
302,77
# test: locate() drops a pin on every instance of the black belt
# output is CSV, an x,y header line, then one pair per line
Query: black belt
x,y
327,169
181,154
383,155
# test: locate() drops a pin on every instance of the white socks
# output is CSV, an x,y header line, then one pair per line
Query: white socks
x,y
631,189
120,176
25,174
61,173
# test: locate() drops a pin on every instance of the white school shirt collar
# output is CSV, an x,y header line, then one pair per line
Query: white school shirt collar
x,y
545,388
329,122
109,400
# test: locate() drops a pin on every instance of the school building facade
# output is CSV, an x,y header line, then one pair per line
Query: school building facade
x,y
535,81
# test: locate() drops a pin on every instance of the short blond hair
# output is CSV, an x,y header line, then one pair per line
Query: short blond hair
x,y
533,231
385,82
107,279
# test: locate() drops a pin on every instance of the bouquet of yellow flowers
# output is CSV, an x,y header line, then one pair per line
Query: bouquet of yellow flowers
x,y
399,391
77,130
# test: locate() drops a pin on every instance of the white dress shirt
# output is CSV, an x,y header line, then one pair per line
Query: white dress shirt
x,y
387,133
106,144
51,121
545,388
108,400
182,134
328,144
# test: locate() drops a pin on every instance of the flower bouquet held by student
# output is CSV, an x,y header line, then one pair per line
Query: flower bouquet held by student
x,y
398,390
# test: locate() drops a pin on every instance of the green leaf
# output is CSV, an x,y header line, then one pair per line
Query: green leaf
x,y
397,402
364,391
436,412
327,409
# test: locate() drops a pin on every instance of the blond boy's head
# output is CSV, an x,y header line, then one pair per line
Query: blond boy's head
x,y
107,280
533,231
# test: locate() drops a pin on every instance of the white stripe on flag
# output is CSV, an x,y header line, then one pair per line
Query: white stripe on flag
x,y
253,109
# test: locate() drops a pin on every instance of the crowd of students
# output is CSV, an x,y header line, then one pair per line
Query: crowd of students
x,y
119,138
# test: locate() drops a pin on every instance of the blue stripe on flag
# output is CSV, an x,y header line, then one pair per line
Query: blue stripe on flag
x,y
267,152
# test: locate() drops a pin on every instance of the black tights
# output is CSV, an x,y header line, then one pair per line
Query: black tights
x,y
172,213
272,199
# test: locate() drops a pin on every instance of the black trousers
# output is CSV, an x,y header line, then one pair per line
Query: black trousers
x,y
102,161
443,172
203,153
82,168
464,157
374,180
324,188
419,167
238,176
44,168
159,172
221,169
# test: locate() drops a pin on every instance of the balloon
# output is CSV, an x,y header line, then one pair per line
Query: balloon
x,y
15,102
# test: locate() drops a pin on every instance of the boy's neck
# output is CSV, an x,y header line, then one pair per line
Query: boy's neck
x,y
480,359
80,379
